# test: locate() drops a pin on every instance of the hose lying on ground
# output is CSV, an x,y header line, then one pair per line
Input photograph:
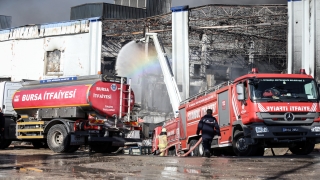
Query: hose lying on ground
x,y
183,155
190,150
168,147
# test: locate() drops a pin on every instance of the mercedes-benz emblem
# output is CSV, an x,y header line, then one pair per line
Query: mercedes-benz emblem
x,y
289,116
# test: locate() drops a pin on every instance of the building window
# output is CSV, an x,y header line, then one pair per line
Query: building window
x,y
53,63
197,68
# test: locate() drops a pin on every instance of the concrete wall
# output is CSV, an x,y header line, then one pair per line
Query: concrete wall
x,y
50,51
304,37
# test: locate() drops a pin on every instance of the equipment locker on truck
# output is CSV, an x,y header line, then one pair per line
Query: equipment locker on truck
x,y
65,113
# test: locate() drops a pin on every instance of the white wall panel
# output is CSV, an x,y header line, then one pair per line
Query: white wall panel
x,y
24,56
304,36
180,48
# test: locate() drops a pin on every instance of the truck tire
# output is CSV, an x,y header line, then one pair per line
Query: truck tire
x,y
58,139
200,150
302,148
172,152
195,152
4,143
239,146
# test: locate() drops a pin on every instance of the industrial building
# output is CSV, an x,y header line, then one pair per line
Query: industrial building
x,y
223,41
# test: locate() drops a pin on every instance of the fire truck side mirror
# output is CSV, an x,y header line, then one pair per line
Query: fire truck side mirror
x,y
240,92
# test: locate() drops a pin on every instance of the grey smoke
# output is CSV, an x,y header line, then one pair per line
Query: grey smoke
x,y
25,12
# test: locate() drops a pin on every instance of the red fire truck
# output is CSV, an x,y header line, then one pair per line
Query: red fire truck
x,y
255,111
65,113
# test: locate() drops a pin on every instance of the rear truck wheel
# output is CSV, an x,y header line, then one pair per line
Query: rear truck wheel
x,y
240,147
4,143
39,144
58,139
195,152
172,152
200,149
303,148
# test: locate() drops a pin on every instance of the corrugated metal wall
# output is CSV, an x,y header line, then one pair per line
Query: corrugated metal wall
x,y
106,11
132,3
113,11
5,22
157,7
86,11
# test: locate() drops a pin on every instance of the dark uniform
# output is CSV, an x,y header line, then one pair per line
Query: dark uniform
x,y
209,128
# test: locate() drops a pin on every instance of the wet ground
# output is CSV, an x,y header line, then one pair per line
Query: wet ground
x,y
27,163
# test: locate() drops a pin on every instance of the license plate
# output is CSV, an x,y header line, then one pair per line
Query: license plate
x,y
76,140
290,129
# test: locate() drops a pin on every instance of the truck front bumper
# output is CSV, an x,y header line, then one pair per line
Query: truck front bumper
x,y
285,133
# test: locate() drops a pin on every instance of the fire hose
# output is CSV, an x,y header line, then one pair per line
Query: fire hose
x,y
183,155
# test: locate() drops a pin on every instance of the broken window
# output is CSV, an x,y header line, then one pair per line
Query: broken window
x,y
53,61
197,69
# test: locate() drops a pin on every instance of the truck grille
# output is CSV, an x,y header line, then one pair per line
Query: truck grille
x,y
280,116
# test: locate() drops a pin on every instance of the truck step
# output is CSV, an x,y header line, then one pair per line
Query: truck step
x,y
30,137
30,123
30,130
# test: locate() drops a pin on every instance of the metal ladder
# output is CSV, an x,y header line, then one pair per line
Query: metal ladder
x,y
122,98
212,89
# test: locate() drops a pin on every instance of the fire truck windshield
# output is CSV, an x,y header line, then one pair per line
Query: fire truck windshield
x,y
283,90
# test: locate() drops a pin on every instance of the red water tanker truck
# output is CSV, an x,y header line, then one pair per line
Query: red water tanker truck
x,y
65,113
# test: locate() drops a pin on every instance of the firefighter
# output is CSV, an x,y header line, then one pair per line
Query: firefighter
x,y
163,142
209,128
2,119
271,92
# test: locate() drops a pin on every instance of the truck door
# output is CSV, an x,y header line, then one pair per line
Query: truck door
x,y
182,124
224,116
8,90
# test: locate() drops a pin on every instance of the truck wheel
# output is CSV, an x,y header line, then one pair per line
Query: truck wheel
x,y
57,139
4,143
195,152
200,150
239,145
172,152
39,144
302,148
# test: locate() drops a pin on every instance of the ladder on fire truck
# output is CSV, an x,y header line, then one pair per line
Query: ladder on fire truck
x,y
122,82
169,80
200,94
